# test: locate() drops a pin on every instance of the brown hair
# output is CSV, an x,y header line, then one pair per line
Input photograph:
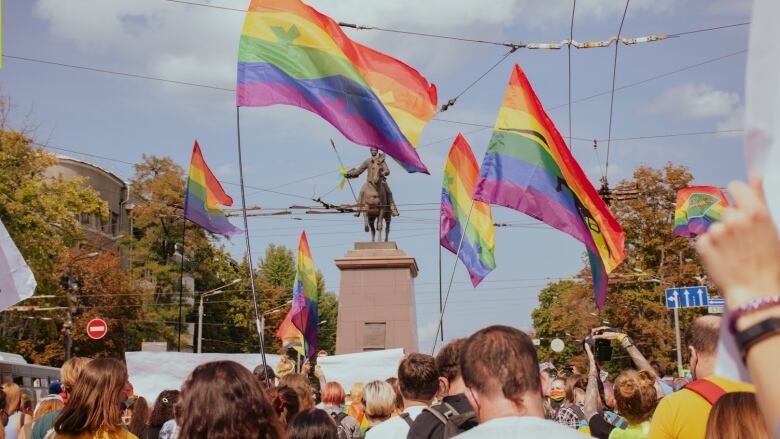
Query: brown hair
x,y
635,395
736,416
399,399
417,377
221,400
703,335
312,424
94,404
302,386
575,381
71,370
47,406
287,404
163,408
500,359
448,359
140,416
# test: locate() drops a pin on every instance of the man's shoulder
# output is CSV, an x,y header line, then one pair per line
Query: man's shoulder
x,y
520,427
425,424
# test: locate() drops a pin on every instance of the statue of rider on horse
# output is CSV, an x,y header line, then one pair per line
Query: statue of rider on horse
x,y
376,200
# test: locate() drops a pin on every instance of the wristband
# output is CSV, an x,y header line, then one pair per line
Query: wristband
x,y
754,334
751,307
626,342
621,337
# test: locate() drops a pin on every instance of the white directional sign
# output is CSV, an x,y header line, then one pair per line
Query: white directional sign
x,y
687,297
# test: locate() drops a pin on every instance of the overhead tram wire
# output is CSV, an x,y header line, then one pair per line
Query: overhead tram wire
x,y
452,101
612,99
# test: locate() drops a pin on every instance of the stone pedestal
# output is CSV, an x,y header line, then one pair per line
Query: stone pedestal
x,y
376,299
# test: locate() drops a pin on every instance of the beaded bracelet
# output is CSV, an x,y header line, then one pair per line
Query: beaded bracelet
x,y
751,307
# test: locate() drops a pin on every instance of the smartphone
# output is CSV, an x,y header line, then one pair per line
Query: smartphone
x,y
603,350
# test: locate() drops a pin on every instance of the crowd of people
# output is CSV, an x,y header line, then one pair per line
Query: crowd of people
x,y
489,385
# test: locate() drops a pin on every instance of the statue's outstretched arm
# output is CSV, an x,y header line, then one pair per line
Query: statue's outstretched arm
x,y
354,172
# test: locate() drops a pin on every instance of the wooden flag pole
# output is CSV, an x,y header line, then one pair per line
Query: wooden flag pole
x,y
258,326
452,277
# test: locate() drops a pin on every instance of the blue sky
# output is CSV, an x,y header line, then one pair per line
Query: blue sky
x,y
121,118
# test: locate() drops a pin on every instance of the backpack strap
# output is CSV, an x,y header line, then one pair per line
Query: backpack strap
x,y
708,390
405,416
340,417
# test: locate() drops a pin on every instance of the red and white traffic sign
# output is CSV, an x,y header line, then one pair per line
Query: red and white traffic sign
x,y
96,329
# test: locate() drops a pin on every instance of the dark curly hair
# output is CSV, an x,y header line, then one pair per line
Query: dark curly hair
x,y
221,400
163,408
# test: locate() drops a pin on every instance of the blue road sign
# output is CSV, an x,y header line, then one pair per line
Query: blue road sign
x,y
687,297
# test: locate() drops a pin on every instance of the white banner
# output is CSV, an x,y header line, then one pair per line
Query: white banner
x,y
16,279
361,367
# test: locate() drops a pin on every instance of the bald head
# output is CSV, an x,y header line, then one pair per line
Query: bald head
x,y
703,335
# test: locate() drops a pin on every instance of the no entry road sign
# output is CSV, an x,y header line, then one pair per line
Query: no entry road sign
x,y
96,329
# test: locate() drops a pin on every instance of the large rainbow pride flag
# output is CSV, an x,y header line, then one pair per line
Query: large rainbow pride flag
x,y
528,167
203,196
479,242
303,313
291,54
697,208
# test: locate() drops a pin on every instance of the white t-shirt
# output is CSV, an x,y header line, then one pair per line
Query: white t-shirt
x,y
395,427
516,427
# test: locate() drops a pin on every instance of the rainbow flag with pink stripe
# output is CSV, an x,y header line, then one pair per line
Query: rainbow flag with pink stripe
x,y
293,55
529,168
303,313
479,241
203,196
290,335
697,208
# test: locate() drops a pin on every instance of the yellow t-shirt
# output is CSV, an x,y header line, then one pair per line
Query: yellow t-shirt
x,y
122,434
683,414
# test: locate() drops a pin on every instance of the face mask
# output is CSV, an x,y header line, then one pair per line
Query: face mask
x,y
557,395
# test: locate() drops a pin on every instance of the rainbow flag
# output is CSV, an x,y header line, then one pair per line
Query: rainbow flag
x,y
290,335
697,208
528,167
293,55
479,243
203,196
303,313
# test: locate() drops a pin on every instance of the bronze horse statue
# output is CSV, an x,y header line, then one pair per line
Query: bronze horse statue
x,y
376,200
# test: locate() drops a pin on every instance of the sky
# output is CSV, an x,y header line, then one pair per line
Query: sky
x,y
113,120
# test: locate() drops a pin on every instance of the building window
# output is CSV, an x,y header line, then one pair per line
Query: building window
x,y
374,336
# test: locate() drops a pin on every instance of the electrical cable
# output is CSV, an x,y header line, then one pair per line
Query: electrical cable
x,y
612,95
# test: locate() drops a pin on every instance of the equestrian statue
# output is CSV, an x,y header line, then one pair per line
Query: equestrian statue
x,y
375,201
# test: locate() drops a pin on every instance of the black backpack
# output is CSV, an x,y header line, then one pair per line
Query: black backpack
x,y
338,417
454,421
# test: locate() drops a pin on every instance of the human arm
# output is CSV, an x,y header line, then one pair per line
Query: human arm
x,y
355,172
592,390
320,375
639,360
741,254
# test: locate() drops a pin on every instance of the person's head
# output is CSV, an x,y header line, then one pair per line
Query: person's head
x,y
702,341
575,387
736,416
46,406
418,378
374,151
333,394
222,400
379,401
286,404
55,387
448,367
501,373
13,398
302,386
312,424
547,374
163,408
399,399
95,402
285,366
139,417
558,391
266,376
635,395
356,392
70,372
659,368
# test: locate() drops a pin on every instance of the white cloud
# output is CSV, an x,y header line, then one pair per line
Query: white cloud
x,y
695,101
426,332
734,121
730,7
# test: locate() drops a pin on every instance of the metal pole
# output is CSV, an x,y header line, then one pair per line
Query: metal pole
x,y
68,335
441,298
200,324
677,337
181,280
248,247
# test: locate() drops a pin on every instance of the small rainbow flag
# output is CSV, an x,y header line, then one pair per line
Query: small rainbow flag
x,y
290,335
697,208
293,55
528,167
303,313
203,196
460,178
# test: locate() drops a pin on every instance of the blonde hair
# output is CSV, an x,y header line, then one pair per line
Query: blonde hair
x,y
71,370
635,395
356,391
13,398
285,367
379,400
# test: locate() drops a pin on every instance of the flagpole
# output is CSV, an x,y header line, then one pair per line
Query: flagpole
x,y
181,278
248,246
441,323
338,156
452,277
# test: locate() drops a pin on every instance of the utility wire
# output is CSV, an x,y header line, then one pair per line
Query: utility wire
x,y
452,101
612,95
725,26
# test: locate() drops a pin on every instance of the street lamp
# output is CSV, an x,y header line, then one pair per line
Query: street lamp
x,y
72,287
269,312
208,293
